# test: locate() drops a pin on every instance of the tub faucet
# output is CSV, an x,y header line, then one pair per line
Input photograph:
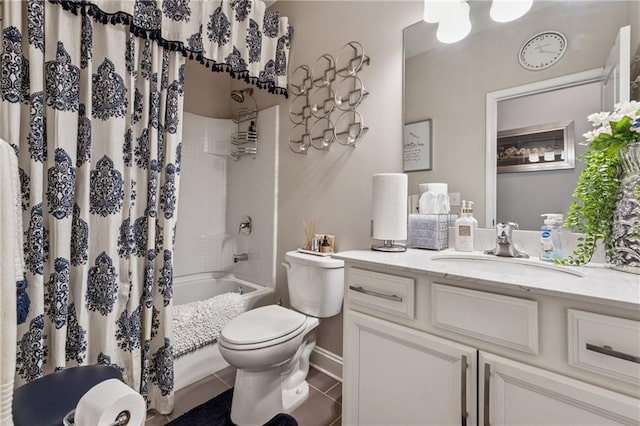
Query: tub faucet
x,y
504,241
239,257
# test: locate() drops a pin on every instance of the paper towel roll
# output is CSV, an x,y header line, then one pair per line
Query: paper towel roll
x,y
389,206
102,404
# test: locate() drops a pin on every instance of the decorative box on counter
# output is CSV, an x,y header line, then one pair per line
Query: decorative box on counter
x,y
430,231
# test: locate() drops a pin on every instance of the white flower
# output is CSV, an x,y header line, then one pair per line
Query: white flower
x,y
628,108
592,134
599,118
617,116
602,120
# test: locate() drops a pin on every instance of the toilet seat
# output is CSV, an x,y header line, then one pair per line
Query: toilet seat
x,y
262,327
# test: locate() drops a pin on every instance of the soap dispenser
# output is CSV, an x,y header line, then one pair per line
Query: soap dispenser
x,y
464,230
550,244
470,211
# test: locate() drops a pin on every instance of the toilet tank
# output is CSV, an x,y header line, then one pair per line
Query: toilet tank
x,y
316,283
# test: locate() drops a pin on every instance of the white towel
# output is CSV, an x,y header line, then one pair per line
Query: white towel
x,y
11,271
198,323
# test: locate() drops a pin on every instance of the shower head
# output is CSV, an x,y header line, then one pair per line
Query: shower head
x,y
238,95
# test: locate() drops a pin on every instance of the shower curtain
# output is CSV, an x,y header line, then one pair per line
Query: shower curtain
x,y
93,115
91,103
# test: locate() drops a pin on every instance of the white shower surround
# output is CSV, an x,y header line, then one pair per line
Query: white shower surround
x,y
216,192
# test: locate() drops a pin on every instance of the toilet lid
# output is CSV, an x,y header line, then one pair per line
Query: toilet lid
x,y
262,325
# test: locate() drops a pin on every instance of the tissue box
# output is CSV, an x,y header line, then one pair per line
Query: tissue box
x,y
430,231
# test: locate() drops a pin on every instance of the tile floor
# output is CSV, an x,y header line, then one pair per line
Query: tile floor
x,y
322,408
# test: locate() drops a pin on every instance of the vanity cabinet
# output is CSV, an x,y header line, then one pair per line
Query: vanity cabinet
x,y
399,376
513,393
420,350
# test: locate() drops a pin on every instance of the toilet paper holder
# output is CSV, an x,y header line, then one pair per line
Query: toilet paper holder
x,y
122,419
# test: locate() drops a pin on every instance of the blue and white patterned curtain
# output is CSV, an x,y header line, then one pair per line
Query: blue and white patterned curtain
x,y
241,37
94,115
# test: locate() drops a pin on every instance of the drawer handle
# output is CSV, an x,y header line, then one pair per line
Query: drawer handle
x,y
608,350
376,294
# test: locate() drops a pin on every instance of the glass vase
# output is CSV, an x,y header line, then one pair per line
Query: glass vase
x,y
624,252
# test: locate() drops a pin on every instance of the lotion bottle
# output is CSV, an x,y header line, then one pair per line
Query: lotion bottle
x,y
464,230
550,245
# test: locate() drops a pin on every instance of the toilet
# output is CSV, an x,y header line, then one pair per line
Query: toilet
x,y
270,346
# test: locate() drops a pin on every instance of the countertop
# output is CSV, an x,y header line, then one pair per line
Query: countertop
x,y
592,282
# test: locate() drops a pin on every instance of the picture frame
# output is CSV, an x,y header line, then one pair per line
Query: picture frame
x,y
417,146
549,146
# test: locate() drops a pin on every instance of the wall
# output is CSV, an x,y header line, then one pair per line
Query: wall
x,y
207,93
546,191
334,188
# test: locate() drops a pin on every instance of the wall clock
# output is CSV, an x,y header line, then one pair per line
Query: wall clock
x,y
542,50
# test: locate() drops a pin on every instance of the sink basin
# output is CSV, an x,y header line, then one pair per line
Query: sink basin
x,y
506,266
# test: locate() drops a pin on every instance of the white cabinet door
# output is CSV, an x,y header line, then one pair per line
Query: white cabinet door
x,y
512,393
394,375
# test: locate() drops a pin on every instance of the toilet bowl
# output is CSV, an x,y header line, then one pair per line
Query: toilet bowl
x,y
270,346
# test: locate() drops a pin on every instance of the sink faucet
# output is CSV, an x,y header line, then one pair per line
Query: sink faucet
x,y
504,241
239,257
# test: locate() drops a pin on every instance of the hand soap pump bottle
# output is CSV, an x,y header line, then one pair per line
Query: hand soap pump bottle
x,y
550,245
470,211
464,230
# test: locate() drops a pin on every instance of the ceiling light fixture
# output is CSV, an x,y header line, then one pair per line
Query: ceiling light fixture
x,y
434,10
509,10
454,25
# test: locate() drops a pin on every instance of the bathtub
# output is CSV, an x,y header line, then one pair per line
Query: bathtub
x,y
203,362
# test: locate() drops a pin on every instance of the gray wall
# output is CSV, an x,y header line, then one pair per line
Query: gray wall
x,y
334,188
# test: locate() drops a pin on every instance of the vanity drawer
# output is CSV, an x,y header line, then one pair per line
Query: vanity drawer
x,y
502,320
605,345
383,292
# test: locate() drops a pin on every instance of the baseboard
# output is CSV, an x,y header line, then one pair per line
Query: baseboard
x,y
327,362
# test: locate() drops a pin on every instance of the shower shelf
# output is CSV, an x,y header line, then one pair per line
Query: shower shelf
x,y
242,115
245,140
240,138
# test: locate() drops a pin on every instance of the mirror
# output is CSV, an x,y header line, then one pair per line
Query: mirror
x,y
448,84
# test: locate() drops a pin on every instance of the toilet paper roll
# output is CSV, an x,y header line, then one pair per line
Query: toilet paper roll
x,y
389,206
102,404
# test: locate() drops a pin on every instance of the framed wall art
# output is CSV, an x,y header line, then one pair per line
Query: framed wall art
x,y
536,148
417,146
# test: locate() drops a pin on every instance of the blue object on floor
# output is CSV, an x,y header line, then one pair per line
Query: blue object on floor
x,y
45,401
217,412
